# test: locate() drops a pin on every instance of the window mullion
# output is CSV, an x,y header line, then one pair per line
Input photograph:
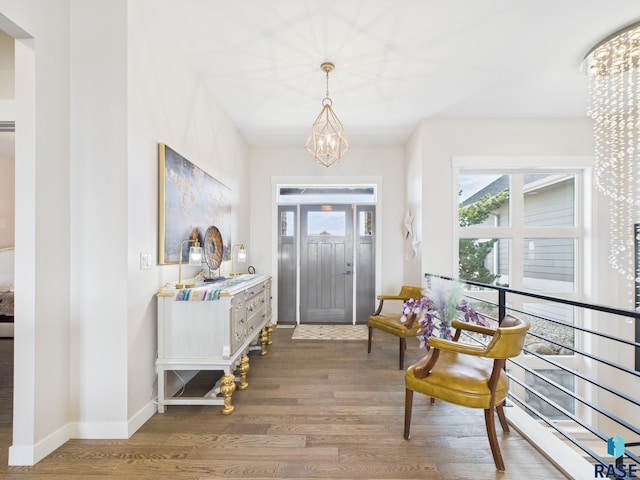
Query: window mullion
x,y
516,221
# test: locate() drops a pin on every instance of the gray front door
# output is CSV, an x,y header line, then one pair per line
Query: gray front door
x,y
326,264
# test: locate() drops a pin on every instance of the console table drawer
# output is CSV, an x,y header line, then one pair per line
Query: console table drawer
x,y
238,321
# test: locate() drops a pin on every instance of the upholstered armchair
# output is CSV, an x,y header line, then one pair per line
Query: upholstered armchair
x,y
469,375
391,322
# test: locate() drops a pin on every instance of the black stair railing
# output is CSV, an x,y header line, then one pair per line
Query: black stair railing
x,y
601,399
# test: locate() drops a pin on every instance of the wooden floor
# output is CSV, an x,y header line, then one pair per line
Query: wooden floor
x,y
313,409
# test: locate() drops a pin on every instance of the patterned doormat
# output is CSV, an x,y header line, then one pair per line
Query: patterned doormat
x,y
330,332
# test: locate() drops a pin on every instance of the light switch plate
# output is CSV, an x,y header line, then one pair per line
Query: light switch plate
x,y
145,261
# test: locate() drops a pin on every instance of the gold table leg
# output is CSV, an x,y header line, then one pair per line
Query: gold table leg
x,y
269,333
243,368
227,387
264,339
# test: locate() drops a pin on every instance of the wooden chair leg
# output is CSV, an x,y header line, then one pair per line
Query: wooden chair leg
x,y
403,347
408,405
503,419
493,439
370,337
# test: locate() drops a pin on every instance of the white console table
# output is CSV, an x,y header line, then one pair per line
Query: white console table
x,y
212,327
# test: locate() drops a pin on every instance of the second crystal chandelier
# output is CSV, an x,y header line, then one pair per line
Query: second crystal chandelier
x,y
327,142
614,105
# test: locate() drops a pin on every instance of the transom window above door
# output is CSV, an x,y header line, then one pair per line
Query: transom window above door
x,y
315,194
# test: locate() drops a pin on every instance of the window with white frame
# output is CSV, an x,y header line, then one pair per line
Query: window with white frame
x,y
520,229
524,228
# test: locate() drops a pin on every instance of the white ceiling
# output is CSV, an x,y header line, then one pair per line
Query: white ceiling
x,y
397,61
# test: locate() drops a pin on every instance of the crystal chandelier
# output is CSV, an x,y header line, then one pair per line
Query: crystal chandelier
x,y
327,142
614,106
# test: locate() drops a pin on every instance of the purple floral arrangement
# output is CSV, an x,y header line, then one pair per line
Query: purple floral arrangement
x,y
441,304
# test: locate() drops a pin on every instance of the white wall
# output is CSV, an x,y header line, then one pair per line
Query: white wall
x,y
168,103
99,210
381,165
42,231
104,84
413,181
441,140
444,139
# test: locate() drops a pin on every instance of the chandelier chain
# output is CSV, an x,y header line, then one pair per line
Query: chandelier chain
x,y
326,93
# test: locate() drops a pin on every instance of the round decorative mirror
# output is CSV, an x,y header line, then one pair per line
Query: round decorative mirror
x,y
212,247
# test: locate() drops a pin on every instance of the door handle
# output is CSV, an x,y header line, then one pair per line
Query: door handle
x,y
348,272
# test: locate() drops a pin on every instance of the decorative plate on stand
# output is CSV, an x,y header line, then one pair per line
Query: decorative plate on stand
x,y
213,250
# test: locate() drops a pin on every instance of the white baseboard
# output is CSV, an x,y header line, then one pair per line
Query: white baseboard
x,y
140,418
19,456
32,454
106,430
101,430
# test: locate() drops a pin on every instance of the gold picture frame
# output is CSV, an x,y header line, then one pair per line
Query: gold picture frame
x,y
189,201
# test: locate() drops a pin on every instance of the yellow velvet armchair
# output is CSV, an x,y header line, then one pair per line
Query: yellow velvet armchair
x,y
469,375
391,323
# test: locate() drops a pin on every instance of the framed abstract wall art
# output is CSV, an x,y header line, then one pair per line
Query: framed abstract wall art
x,y
190,201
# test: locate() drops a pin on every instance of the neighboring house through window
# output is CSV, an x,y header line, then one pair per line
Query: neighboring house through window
x,y
524,228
